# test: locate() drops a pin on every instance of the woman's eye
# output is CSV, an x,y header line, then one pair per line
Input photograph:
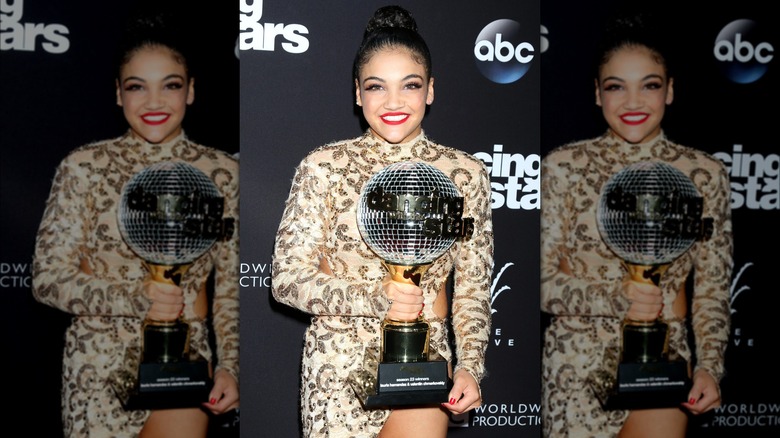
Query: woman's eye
x,y
653,85
373,87
612,87
413,86
174,86
133,87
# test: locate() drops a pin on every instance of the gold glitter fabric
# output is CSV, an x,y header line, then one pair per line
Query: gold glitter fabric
x,y
587,307
347,307
79,228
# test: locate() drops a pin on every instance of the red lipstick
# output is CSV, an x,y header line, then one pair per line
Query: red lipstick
x,y
155,118
394,118
634,118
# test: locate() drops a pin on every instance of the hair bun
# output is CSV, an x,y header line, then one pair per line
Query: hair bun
x,y
391,16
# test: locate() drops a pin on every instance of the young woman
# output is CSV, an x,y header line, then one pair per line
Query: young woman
x,y
584,286
322,266
84,267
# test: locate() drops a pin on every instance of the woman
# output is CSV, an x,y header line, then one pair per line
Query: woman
x,y
83,266
322,266
584,286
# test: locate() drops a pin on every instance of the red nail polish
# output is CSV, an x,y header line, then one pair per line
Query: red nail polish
x,y
691,401
452,401
213,400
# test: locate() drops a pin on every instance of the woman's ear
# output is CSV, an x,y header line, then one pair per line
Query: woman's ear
x,y
358,100
191,92
670,92
118,94
429,99
598,92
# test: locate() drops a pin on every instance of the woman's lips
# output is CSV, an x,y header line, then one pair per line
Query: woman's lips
x,y
634,118
155,118
394,118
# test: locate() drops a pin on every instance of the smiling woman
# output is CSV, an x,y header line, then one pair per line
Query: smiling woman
x,y
154,90
83,266
323,267
585,287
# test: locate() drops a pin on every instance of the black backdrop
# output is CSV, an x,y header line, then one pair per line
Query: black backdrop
x,y
293,100
57,92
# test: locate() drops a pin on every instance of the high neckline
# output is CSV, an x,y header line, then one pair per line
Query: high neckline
x,y
137,141
613,138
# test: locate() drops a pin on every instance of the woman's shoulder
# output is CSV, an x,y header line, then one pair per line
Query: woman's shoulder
x,y
569,152
459,158
220,157
698,157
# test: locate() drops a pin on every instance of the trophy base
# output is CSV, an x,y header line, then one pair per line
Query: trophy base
x,y
384,385
171,385
643,385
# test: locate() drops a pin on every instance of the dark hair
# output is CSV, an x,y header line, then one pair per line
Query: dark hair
x,y
155,29
629,29
392,27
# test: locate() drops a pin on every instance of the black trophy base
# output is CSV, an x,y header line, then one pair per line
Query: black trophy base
x,y
384,385
183,384
648,385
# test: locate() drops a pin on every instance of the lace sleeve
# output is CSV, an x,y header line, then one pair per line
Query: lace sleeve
x,y
473,272
561,292
296,279
58,278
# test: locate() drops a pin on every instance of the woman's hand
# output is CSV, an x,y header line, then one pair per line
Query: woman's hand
x,y
704,394
406,299
646,300
465,394
224,394
167,300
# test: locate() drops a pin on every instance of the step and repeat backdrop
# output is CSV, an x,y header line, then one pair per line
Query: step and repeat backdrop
x,y
724,93
297,94
507,90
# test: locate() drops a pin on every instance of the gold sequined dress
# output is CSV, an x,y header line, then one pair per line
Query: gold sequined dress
x,y
587,307
79,229
319,222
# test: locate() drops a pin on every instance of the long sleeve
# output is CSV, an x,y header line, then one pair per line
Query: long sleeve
x,y
713,266
561,292
59,279
300,244
225,307
471,310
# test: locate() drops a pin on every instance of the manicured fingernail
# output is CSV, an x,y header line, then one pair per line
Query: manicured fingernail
x,y
691,401
213,401
452,401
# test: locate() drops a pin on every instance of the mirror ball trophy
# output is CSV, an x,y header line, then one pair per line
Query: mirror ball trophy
x,y
409,214
649,214
170,213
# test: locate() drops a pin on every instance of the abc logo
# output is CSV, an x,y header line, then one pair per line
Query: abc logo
x,y
743,51
502,52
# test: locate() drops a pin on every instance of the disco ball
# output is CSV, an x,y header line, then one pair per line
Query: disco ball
x,y
410,213
170,213
650,213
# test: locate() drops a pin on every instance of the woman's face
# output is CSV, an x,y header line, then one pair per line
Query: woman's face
x,y
153,90
633,91
394,90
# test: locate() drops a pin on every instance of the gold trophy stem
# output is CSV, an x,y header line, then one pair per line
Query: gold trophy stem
x,y
166,341
645,341
405,341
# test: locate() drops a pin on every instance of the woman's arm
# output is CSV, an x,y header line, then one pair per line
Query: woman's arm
x,y
296,277
471,310
561,292
225,307
713,264
61,277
